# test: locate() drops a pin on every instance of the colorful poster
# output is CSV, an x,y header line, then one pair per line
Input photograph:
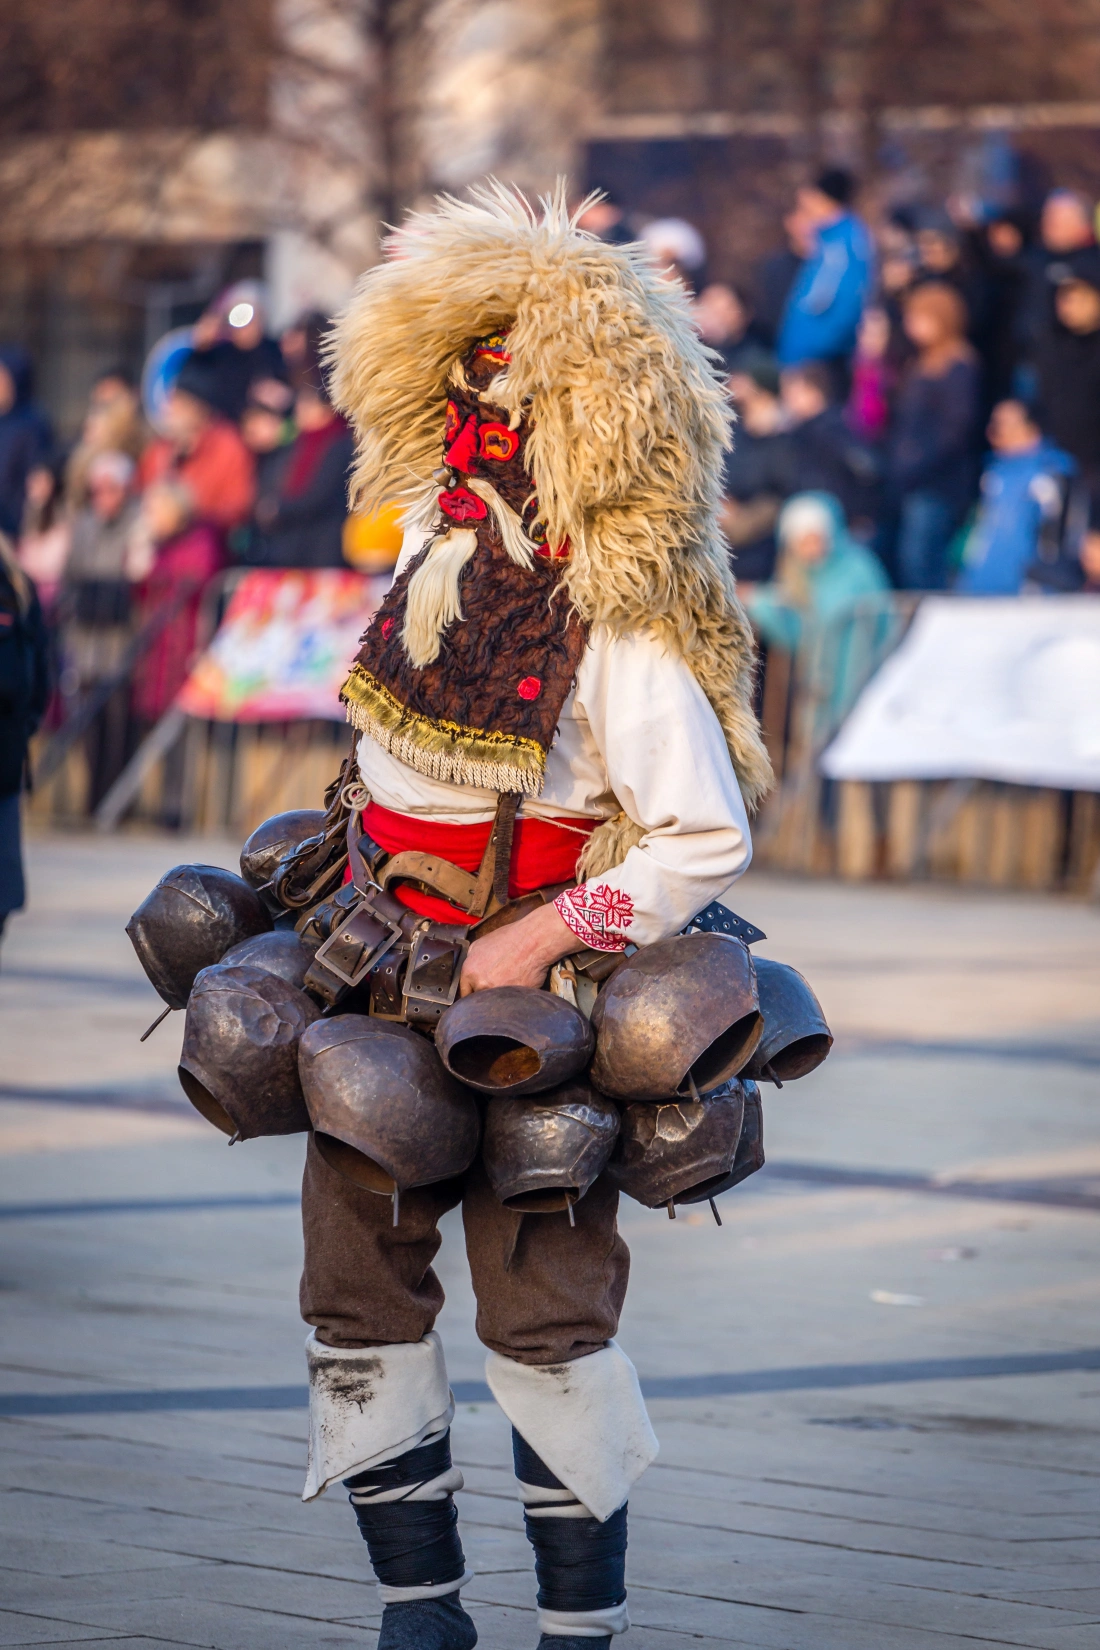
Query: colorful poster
x,y
284,647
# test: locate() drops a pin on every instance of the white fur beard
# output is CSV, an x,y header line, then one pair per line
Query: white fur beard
x,y
433,600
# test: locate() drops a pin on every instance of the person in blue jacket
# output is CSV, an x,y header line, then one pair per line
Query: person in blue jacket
x,y
825,302
1027,500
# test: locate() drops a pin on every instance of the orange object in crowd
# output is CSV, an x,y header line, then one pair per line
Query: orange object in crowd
x,y
372,543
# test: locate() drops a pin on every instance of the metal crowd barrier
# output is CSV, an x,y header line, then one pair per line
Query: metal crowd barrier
x,y
215,777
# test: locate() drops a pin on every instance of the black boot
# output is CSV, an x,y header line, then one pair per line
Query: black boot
x,y
580,1563
548,1642
413,1544
429,1624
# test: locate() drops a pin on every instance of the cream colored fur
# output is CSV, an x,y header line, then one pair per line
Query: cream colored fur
x,y
629,418
515,540
608,846
434,600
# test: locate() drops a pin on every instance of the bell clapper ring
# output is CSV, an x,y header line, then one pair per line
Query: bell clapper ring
x,y
396,1204
671,1207
163,1015
769,1071
714,1211
569,1211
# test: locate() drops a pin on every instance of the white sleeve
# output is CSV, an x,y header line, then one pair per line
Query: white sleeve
x,y
670,770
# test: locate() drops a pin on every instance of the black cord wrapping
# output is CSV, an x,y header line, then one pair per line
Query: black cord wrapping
x,y
579,1562
411,1543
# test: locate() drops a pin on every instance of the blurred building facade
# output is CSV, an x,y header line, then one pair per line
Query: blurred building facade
x,y
153,150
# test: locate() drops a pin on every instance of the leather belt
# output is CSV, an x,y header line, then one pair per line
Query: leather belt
x,y
410,966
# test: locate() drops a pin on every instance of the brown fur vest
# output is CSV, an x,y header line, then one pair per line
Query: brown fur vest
x,y
485,711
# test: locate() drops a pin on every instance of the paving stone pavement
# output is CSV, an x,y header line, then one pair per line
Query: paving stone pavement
x,y
838,1471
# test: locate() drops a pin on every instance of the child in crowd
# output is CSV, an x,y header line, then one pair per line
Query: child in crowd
x,y
824,580
1027,506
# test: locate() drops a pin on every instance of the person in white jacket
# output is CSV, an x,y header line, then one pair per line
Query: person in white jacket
x,y
562,633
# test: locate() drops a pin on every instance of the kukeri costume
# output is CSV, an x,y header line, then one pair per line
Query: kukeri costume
x,y
554,704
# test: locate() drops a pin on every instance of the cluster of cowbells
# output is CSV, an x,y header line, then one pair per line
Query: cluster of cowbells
x,y
659,1088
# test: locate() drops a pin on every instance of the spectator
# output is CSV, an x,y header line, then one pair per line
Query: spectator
x,y
724,320
178,558
1067,247
232,343
944,255
44,542
1003,250
825,303
301,343
24,690
302,523
97,613
898,260
1026,493
268,431
827,604
605,219
112,424
25,436
1067,362
678,249
202,449
828,455
873,377
776,274
933,447
759,469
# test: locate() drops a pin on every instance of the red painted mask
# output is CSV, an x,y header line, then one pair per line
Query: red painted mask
x,y
479,441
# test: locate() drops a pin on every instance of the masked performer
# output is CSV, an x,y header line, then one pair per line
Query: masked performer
x,y
562,638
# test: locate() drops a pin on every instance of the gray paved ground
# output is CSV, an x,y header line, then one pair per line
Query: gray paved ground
x,y
838,1471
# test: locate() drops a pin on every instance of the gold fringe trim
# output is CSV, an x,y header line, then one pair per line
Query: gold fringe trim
x,y
442,750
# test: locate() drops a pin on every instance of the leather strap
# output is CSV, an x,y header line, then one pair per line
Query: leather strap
x,y
504,830
518,908
433,874
491,889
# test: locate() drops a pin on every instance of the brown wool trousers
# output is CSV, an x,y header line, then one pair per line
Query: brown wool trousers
x,y
547,1292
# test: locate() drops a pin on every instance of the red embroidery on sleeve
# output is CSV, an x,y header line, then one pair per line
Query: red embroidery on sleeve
x,y
593,912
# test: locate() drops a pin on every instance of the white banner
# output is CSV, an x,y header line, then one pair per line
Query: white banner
x,y
983,688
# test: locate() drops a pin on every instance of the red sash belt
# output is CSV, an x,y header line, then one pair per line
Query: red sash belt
x,y
543,851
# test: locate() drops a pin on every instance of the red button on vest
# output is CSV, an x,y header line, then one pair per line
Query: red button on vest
x,y
529,688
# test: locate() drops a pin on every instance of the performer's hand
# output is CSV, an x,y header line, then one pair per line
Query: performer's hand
x,y
519,954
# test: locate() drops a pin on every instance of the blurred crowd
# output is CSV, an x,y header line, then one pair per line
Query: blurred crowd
x,y
933,383
918,408
119,534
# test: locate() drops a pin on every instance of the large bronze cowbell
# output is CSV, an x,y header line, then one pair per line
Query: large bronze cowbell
x,y
543,1152
188,922
795,1039
272,841
239,1063
385,1113
679,1151
676,1019
511,1040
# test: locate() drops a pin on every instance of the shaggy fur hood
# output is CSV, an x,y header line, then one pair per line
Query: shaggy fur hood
x,y
630,420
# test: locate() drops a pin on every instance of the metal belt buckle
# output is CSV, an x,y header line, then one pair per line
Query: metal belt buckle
x,y
358,945
434,971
